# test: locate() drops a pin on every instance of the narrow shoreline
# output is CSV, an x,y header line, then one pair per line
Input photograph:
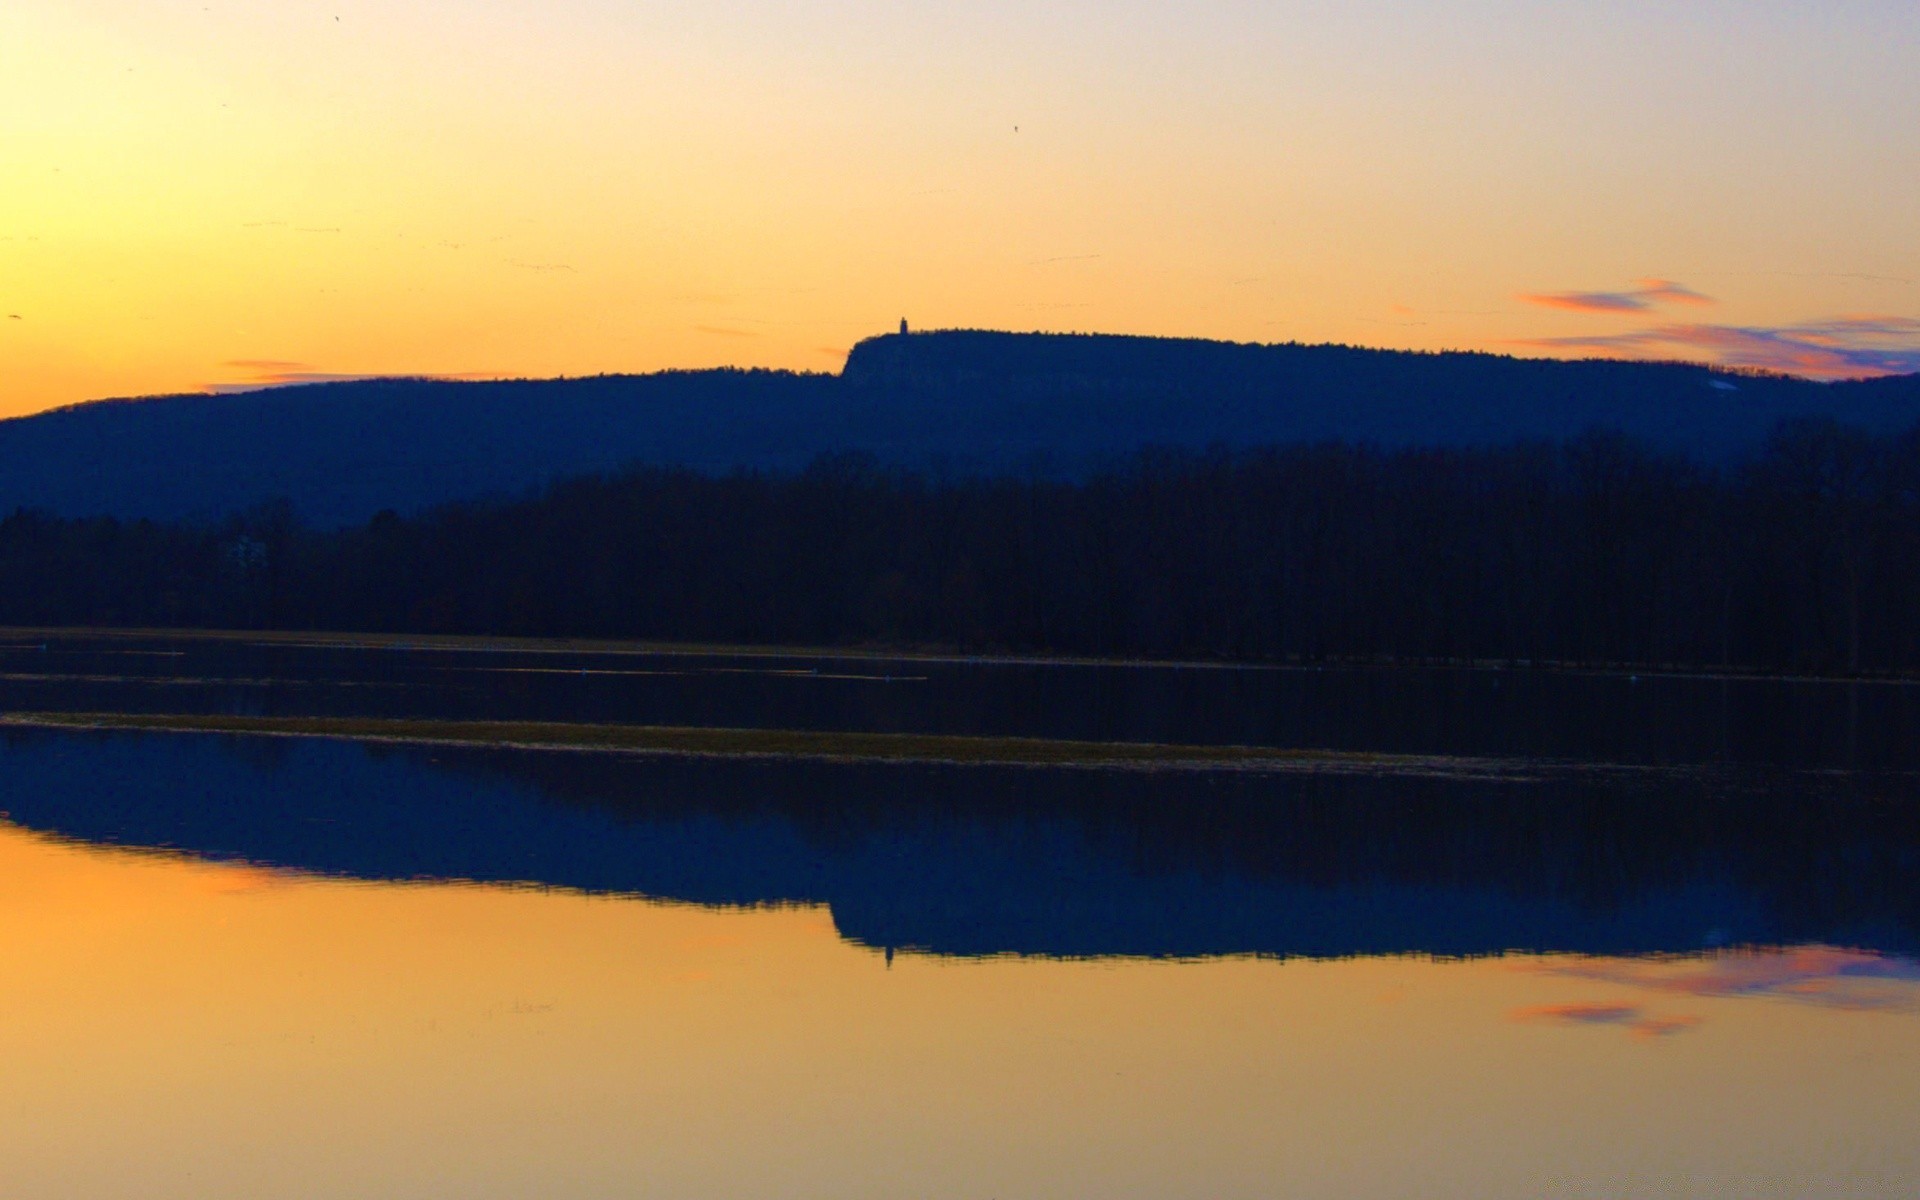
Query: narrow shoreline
x,y
508,644
792,744
484,643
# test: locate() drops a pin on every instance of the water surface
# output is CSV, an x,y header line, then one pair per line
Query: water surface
x,y
1610,716
244,966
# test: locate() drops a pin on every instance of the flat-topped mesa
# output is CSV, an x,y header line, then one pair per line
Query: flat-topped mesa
x,y
1132,363
1243,393
1108,361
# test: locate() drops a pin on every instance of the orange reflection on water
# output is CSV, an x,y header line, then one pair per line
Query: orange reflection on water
x,y
173,1028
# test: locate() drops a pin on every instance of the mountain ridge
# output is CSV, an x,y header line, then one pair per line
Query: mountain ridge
x,y
966,401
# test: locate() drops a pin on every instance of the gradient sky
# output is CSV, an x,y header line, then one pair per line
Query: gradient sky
x,y
198,194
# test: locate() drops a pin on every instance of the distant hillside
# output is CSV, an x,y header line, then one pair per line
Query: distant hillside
x,y
1118,392
955,401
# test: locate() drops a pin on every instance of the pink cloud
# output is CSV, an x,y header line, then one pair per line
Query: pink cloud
x,y
1643,298
1839,348
1588,302
1666,291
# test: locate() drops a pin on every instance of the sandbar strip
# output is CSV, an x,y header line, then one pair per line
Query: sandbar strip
x,y
707,742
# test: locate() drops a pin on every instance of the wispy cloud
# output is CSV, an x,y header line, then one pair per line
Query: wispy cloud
x,y
1646,295
1838,348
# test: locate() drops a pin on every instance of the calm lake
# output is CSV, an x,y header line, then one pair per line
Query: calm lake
x,y
1680,958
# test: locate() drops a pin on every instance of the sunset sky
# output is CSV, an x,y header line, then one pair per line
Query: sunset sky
x,y
205,193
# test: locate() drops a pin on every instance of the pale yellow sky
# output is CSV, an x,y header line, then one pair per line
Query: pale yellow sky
x,y
197,194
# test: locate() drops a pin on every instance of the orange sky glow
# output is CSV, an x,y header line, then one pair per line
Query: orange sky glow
x,y
200,196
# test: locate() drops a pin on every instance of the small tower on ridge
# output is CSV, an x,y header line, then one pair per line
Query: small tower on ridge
x,y
903,324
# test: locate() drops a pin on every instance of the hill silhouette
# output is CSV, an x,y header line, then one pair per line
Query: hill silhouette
x,y
951,402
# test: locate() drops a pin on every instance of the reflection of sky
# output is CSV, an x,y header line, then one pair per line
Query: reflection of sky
x,y
1825,976
179,1028
450,186
1628,1016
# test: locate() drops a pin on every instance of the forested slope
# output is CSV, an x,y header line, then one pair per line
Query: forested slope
x,y
1595,550
959,403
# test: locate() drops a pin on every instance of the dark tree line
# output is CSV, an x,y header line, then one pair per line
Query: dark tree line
x,y
1596,551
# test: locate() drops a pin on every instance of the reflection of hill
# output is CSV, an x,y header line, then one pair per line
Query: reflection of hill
x,y
978,861
970,400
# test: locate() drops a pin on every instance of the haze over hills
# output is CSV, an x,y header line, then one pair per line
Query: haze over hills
x,y
958,401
